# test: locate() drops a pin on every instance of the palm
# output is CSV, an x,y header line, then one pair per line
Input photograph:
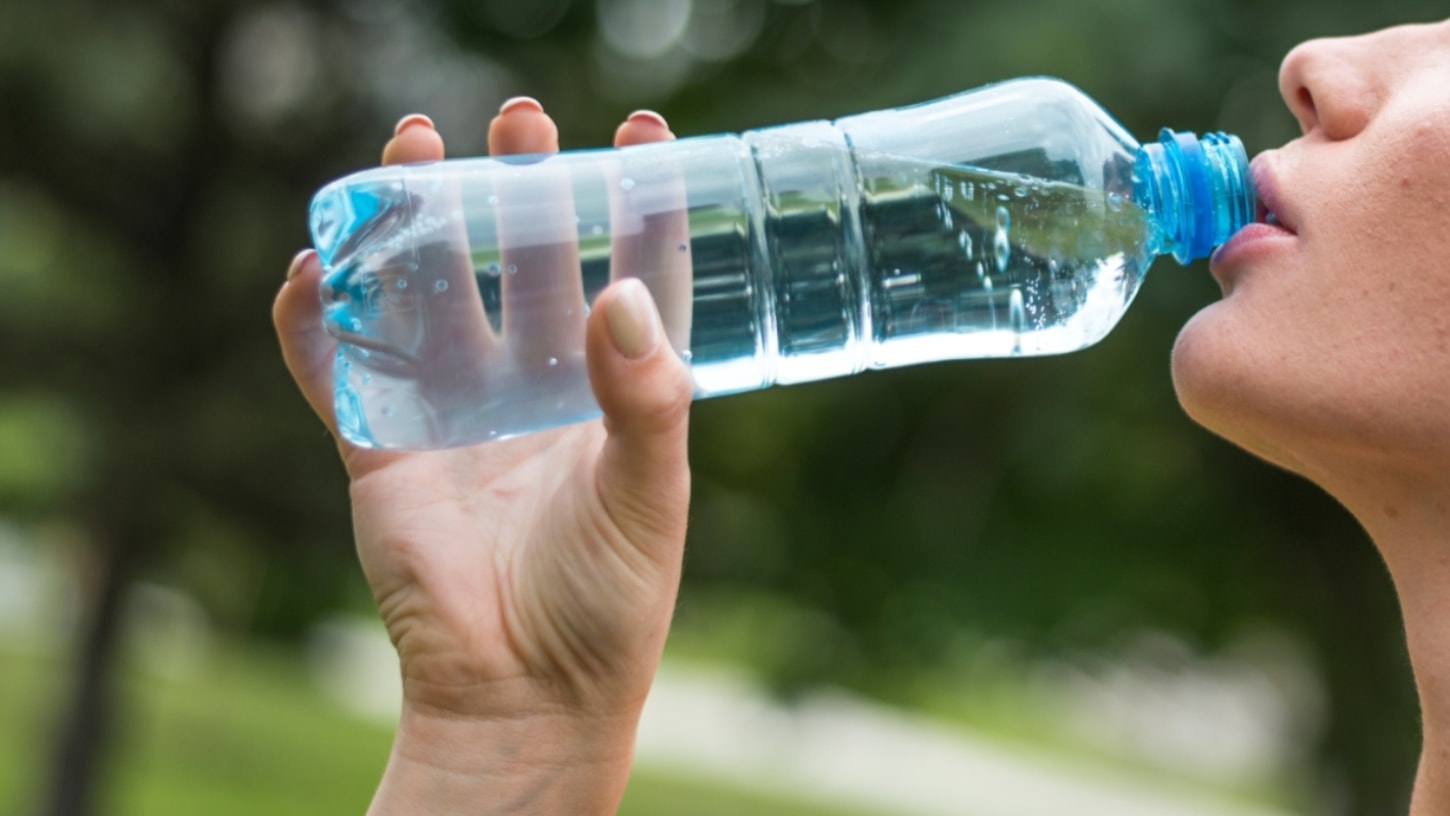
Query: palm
x,y
477,558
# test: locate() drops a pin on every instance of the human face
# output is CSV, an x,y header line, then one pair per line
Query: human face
x,y
1332,339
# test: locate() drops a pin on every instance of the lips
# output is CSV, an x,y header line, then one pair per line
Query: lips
x,y
1271,208
1274,222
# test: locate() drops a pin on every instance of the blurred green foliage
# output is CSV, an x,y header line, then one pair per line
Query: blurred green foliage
x,y
154,173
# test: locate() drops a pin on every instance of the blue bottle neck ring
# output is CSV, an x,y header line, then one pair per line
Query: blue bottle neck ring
x,y
1199,191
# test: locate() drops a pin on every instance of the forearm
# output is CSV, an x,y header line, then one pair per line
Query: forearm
x,y
538,765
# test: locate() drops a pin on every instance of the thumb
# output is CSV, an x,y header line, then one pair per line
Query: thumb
x,y
644,390
306,346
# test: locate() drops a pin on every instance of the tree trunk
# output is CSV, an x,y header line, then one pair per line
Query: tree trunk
x,y
83,733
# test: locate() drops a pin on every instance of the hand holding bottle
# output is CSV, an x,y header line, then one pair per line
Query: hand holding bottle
x,y
527,584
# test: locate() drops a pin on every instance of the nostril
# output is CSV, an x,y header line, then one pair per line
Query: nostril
x,y
1306,101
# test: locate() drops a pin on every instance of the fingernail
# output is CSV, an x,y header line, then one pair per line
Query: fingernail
x,y
411,120
520,103
298,261
633,324
648,116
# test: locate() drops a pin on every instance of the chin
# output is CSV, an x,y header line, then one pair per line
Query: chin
x,y
1227,384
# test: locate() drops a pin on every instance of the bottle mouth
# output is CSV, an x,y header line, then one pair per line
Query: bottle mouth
x,y
1200,190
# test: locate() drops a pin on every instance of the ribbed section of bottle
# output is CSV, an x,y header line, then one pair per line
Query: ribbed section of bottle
x,y
817,309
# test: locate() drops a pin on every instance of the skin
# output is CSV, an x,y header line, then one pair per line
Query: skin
x,y
1329,353
528,584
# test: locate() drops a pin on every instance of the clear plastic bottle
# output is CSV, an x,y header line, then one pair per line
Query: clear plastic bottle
x,y
1017,219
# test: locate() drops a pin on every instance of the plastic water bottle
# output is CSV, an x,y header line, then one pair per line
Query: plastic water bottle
x,y
1017,219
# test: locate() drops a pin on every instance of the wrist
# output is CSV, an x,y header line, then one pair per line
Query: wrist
x,y
544,762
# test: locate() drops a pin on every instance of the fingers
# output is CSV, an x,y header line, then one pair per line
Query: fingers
x,y
542,290
642,127
307,348
414,140
522,127
651,236
644,390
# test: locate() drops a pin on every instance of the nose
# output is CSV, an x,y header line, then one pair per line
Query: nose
x,y
1330,84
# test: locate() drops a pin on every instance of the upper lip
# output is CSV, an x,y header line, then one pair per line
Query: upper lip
x,y
1271,206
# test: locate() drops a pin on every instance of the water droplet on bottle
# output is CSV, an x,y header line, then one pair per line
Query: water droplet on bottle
x,y
402,283
965,242
1021,192
440,286
1115,202
493,200
947,217
513,269
553,361
948,192
969,191
492,270
1017,318
597,230
626,183
1003,197
389,410
684,247
367,379
981,271
492,434
987,284
687,355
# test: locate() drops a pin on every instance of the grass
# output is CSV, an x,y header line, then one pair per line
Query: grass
x,y
248,732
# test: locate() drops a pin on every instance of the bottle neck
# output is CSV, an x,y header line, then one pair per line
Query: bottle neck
x,y
1198,191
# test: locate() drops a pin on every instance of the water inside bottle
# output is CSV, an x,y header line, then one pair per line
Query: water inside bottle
x,y
438,347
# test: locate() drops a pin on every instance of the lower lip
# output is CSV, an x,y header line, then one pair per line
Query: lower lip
x,y
1251,240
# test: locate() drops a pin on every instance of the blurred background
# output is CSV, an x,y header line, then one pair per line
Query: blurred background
x,y
1011,587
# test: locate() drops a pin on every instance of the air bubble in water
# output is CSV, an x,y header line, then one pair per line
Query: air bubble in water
x,y
1000,246
402,283
626,183
987,284
683,247
440,286
1017,318
389,410
965,242
969,191
687,355
981,271
597,230
553,361
1021,192
1115,202
492,270
513,269
948,192
493,199
946,217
